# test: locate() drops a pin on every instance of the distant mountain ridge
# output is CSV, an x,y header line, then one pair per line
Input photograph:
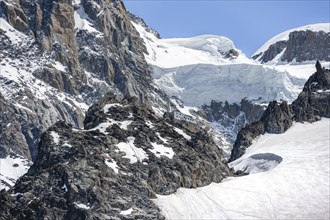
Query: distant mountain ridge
x,y
300,44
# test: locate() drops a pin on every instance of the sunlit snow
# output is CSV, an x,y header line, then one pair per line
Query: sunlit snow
x,y
197,70
126,212
285,35
56,137
297,188
160,150
113,165
11,168
133,153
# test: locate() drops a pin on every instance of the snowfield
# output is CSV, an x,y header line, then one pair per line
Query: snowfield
x,y
301,70
12,168
297,188
198,70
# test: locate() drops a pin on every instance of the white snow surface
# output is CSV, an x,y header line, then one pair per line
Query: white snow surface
x,y
297,188
133,153
181,132
82,206
301,70
197,71
169,53
113,165
108,106
56,137
199,84
127,212
81,20
11,168
14,35
285,35
160,150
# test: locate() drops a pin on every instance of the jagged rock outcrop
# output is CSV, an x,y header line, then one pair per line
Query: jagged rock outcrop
x,y
314,101
271,52
112,168
139,20
277,118
229,119
10,131
303,45
312,104
59,57
307,45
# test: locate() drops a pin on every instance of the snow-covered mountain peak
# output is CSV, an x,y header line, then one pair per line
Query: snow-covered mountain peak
x,y
284,36
203,49
296,46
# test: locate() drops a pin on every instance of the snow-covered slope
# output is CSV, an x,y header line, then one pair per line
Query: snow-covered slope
x,y
297,188
11,168
297,50
199,84
208,67
204,49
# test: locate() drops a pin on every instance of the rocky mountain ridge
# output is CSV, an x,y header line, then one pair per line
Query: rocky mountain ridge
x,y
312,104
306,43
115,166
59,58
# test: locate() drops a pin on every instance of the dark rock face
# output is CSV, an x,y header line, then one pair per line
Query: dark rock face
x,y
10,131
119,162
301,46
276,119
233,117
139,20
63,68
314,101
272,51
312,104
307,45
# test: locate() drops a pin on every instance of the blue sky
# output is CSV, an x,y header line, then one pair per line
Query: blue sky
x,y
249,24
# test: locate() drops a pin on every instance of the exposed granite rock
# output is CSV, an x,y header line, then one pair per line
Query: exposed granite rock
x,y
233,117
62,67
124,157
301,46
277,118
271,52
307,45
314,101
312,104
11,133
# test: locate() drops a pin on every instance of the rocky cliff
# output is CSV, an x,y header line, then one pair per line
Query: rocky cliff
x,y
312,104
229,119
114,167
301,45
59,57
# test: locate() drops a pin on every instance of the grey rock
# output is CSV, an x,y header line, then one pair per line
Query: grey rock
x,y
301,46
233,117
109,59
314,101
312,104
71,179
